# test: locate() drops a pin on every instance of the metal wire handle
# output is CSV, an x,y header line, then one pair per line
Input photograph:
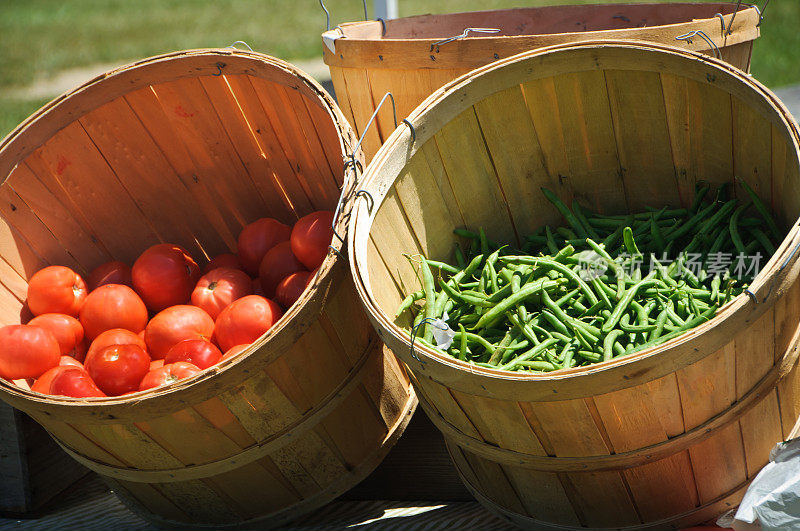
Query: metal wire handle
x,y
463,35
351,159
328,15
688,38
760,14
241,42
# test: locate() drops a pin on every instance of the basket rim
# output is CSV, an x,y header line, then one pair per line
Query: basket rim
x,y
399,148
268,347
722,6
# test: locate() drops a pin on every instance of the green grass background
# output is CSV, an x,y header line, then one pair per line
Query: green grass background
x,y
41,37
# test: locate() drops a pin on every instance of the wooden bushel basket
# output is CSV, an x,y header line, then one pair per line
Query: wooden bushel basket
x,y
188,148
408,56
665,437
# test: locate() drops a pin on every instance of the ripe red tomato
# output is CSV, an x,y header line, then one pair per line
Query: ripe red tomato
x,y
165,275
168,374
311,236
231,352
118,369
220,287
69,361
56,289
109,273
116,336
27,351
245,320
259,237
175,324
278,263
113,306
42,384
228,260
156,364
67,330
291,287
74,382
198,352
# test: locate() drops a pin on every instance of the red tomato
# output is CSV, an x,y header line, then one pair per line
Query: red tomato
x,y
175,324
118,369
217,289
156,364
231,352
56,289
113,306
27,351
65,328
116,336
311,236
168,374
69,361
42,383
259,237
278,263
229,260
245,320
199,352
110,273
80,350
165,275
74,382
291,287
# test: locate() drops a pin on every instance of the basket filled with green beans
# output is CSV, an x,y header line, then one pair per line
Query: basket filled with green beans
x,y
597,288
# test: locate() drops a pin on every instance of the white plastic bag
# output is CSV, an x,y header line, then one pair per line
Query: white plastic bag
x,y
772,502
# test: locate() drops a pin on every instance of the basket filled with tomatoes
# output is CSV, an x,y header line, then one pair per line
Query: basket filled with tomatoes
x,y
175,308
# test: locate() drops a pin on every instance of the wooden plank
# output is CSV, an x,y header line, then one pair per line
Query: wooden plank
x,y
664,488
199,501
151,498
409,88
308,454
80,174
279,169
517,158
640,126
280,373
243,138
260,407
500,423
588,133
130,445
355,427
542,495
342,96
221,235
440,398
708,387
63,237
387,291
678,112
578,437
362,105
18,251
191,114
752,150
666,398
473,178
344,315
274,101
387,386
434,217
754,352
254,490
218,415
718,463
761,431
603,498
493,483
328,130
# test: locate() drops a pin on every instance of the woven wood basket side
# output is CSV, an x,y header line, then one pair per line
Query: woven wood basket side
x,y
188,148
402,55
664,436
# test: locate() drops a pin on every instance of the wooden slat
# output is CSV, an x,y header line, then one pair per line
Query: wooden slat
x,y
718,463
151,499
761,431
638,111
147,108
664,488
473,178
666,398
329,138
199,501
353,330
356,427
542,495
391,219
588,132
79,173
754,352
131,445
260,407
517,158
603,498
578,437
362,105
752,150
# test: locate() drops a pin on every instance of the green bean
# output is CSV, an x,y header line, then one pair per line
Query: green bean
x,y
655,232
630,244
734,228
462,351
680,331
619,272
608,344
441,265
689,224
566,319
463,298
430,301
484,241
590,356
460,257
527,355
659,329
625,301
566,233
555,323
499,309
581,216
561,268
698,198
763,239
543,366
408,301
568,215
762,209
551,241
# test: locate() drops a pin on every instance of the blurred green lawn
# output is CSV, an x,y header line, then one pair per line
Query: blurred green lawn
x,y
41,37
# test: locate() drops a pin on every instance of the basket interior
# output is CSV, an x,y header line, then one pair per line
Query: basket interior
x,y
540,21
185,149
615,129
